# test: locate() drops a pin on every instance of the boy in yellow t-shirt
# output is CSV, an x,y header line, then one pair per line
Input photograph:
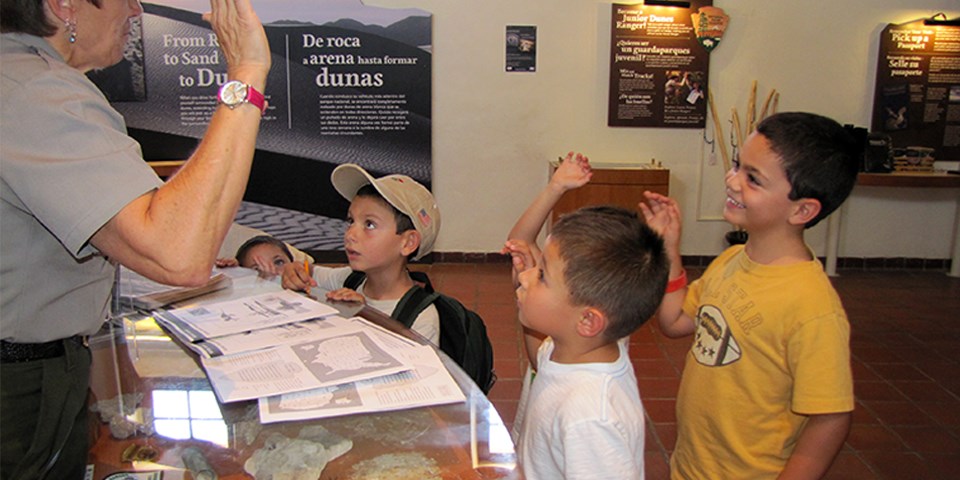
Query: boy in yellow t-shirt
x,y
767,389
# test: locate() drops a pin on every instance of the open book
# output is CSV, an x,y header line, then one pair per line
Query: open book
x,y
144,294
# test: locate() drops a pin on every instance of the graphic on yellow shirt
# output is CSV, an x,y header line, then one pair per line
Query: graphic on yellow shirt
x,y
714,345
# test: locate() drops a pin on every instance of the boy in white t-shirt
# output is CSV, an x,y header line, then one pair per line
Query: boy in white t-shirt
x,y
600,277
391,220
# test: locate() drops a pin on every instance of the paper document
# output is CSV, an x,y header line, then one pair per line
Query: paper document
x,y
428,383
142,293
273,336
315,363
242,315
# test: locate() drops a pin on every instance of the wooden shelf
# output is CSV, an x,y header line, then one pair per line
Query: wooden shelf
x,y
909,179
622,186
166,168
897,179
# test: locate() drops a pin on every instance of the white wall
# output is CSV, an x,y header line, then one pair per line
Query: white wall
x,y
494,132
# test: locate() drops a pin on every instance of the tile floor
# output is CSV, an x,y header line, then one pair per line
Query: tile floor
x,y
906,363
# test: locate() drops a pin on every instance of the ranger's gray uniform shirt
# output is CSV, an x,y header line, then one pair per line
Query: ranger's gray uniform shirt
x,y
67,166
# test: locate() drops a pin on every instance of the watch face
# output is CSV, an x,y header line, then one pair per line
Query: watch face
x,y
233,93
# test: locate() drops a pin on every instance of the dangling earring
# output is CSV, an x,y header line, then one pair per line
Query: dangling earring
x,y
71,29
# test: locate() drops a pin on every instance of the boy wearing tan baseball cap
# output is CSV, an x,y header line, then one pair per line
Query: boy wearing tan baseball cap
x,y
391,220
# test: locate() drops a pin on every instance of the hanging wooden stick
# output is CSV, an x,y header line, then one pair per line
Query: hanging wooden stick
x,y
718,132
751,108
776,100
737,131
766,105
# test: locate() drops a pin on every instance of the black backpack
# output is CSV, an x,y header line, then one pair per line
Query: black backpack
x,y
463,335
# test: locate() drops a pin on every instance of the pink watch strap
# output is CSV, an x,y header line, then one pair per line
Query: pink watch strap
x,y
256,99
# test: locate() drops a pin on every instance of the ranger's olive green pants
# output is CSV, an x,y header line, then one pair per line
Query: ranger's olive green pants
x,y
43,416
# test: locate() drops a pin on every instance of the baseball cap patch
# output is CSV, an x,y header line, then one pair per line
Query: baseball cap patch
x,y
424,216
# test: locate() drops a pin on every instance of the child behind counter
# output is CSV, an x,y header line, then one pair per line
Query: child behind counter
x,y
263,253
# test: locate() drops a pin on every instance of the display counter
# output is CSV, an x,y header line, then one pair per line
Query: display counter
x,y
158,418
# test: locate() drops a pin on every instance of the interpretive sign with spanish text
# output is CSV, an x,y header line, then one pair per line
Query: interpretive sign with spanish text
x,y
348,84
658,68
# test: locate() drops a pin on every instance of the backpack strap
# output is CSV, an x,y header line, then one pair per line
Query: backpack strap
x,y
355,279
421,277
411,304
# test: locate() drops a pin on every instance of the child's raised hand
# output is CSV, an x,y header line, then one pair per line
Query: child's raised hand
x,y
662,214
227,262
574,171
265,267
523,256
295,277
345,295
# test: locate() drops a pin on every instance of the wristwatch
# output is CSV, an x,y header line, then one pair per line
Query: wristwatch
x,y
235,93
